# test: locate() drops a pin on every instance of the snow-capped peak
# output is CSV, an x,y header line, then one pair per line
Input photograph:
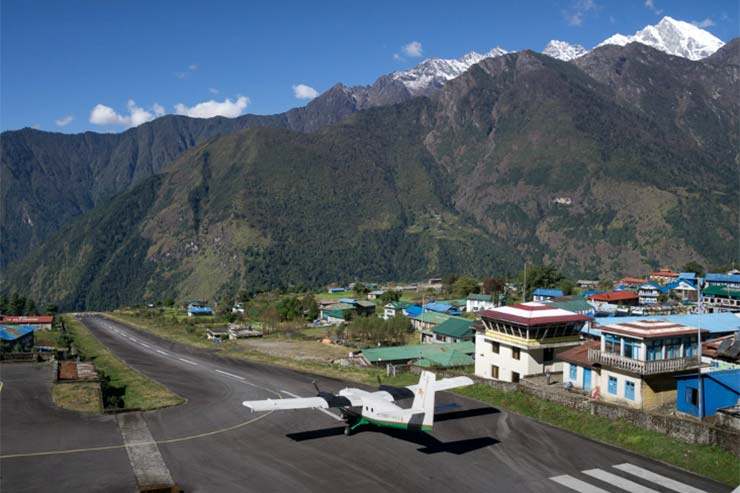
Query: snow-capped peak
x,y
673,37
563,50
432,73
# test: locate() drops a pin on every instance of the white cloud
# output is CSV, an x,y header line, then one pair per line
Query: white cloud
x,y
302,91
705,23
397,57
192,67
412,49
105,115
184,75
650,5
213,90
63,122
578,9
208,109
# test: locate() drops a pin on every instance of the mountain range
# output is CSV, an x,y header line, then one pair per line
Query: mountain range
x,y
617,161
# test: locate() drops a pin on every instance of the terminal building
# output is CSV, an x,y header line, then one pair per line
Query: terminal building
x,y
516,341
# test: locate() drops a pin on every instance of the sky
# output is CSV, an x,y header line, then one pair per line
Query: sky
x,y
107,65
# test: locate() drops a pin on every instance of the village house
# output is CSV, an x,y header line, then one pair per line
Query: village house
x,y
542,294
635,363
477,302
684,290
664,276
337,313
454,329
426,321
196,309
721,298
703,394
395,308
373,295
632,282
609,302
16,338
722,353
729,280
37,321
516,341
649,293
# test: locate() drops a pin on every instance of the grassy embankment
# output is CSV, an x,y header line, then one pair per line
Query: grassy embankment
x,y
79,396
711,462
135,389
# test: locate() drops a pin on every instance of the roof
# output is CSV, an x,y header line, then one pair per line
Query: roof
x,y
664,273
459,328
548,292
734,278
11,333
446,359
340,306
398,305
575,304
365,304
687,275
650,284
715,323
532,313
377,292
722,347
479,297
722,291
632,280
438,307
728,378
414,351
579,354
432,317
413,310
43,319
200,309
613,296
349,301
454,303
335,313
650,328
683,285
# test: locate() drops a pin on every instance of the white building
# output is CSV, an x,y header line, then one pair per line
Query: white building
x,y
634,363
521,340
477,302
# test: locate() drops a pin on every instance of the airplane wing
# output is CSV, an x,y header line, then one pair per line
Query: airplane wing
x,y
390,393
325,400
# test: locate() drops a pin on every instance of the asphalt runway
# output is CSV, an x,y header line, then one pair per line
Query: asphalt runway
x,y
212,443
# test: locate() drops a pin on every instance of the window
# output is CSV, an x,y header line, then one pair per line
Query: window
x,y
515,353
673,348
629,390
494,371
632,348
573,375
612,385
689,348
514,377
494,347
692,396
548,355
612,344
655,350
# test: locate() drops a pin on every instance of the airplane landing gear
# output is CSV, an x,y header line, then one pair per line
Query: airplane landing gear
x,y
347,430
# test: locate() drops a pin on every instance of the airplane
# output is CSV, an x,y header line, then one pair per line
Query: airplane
x,y
359,407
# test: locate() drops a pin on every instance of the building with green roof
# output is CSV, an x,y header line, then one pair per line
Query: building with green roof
x,y
721,298
477,302
446,359
414,352
428,320
394,308
454,330
575,304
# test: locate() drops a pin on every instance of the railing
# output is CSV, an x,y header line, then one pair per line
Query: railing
x,y
639,366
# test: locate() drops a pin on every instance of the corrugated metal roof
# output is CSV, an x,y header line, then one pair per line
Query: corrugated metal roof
x,y
576,305
446,359
459,328
733,278
416,351
438,307
432,317
340,306
715,323
479,297
722,291
11,333
547,292
398,305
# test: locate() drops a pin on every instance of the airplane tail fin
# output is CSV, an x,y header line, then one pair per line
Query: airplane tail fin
x,y
424,398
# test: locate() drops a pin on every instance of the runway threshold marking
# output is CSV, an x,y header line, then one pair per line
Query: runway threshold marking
x,y
159,442
577,484
619,481
328,413
665,482
624,483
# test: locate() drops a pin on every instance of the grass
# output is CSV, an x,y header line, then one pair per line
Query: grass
x,y
83,396
712,462
140,391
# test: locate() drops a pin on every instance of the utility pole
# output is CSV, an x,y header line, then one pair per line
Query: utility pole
x,y
524,287
699,381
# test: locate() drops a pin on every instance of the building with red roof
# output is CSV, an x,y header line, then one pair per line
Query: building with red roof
x,y
628,298
664,275
520,340
635,363
40,321
632,281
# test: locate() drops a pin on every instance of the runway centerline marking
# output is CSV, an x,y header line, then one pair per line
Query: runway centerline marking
x,y
162,352
229,374
328,413
146,345
188,362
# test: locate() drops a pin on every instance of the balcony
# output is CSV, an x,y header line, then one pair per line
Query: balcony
x,y
641,367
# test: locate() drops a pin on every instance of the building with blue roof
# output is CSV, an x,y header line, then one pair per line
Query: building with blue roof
x,y
687,276
16,338
543,294
441,308
729,280
413,311
713,390
649,293
717,324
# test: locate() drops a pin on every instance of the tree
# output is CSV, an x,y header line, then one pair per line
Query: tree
x,y
17,304
310,307
465,285
542,276
493,285
390,296
30,308
361,288
289,308
695,267
448,281
51,309
4,303
169,302
566,286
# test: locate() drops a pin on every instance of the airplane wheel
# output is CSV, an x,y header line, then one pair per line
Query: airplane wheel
x,y
348,430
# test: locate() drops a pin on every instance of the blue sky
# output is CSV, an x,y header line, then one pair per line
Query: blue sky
x,y
61,59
